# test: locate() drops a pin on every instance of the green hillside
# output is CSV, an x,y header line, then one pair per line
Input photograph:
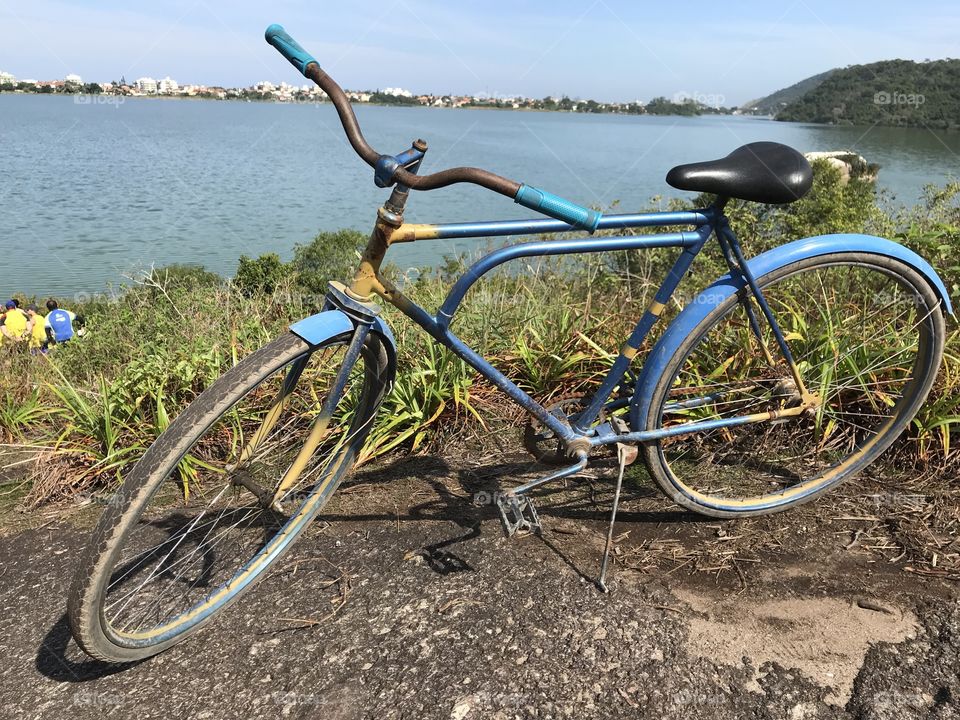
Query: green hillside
x,y
775,102
891,92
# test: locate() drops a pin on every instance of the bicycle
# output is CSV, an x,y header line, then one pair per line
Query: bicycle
x,y
789,374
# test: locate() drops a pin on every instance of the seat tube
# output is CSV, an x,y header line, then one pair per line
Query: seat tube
x,y
586,418
745,302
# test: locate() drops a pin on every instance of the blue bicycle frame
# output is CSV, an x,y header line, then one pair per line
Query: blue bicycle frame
x,y
438,326
401,171
582,432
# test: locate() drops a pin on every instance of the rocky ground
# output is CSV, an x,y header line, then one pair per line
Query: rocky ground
x,y
406,601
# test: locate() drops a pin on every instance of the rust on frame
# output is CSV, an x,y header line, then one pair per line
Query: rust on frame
x,y
388,229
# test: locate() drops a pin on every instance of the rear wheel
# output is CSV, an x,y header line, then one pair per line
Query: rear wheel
x,y
867,334
202,514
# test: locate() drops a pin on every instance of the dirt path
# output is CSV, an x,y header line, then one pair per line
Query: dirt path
x,y
407,602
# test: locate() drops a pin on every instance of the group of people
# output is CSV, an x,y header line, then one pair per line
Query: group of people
x,y
29,328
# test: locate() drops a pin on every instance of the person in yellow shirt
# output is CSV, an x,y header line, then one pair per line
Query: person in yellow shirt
x,y
14,328
38,331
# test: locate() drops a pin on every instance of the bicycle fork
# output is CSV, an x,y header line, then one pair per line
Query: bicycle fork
x,y
318,432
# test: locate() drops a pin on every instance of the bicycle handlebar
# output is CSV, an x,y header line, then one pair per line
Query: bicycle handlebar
x,y
540,200
289,48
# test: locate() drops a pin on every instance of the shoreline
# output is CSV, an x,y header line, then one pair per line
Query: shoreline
x,y
111,99
120,99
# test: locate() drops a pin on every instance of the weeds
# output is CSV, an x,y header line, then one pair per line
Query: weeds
x,y
554,327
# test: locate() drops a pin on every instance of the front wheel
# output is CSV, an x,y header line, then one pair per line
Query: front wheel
x,y
867,334
205,512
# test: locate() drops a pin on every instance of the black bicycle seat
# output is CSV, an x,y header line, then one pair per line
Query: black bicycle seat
x,y
764,172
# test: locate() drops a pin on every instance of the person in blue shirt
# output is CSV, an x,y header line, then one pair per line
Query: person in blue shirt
x,y
60,322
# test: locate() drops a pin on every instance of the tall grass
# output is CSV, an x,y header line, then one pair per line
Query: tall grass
x,y
553,326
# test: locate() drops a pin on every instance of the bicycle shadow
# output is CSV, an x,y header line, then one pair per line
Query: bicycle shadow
x,y
464,496
446,506
54,661
456,492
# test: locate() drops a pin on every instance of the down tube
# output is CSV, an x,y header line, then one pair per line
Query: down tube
x,y
446,338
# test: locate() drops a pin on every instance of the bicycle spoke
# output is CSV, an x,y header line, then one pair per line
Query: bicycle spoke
x,y
855,333
206,542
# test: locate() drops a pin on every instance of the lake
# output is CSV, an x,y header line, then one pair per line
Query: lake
x,y
91,192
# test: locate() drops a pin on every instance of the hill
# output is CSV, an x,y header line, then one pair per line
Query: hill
x,y
891,92
775,102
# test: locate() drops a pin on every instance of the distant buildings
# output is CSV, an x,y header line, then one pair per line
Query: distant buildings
x,y
307,93
146,86
168,86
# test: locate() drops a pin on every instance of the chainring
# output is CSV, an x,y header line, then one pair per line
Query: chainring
x,y
541,442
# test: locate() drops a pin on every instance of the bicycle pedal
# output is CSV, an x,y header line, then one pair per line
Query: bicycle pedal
x,y
517,513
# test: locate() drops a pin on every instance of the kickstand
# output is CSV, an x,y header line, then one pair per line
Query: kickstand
x,y
626,454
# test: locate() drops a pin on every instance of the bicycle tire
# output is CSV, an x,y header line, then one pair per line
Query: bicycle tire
x,y
88,591
930,343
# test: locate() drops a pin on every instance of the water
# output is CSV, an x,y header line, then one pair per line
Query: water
x,y
91,192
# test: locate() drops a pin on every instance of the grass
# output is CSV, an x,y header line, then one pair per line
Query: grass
x,y
554,328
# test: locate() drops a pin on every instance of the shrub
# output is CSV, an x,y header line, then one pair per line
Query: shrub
x,y
329,256
183,275
261,275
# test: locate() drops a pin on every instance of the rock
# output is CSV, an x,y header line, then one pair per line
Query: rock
x,y
462,708
849,163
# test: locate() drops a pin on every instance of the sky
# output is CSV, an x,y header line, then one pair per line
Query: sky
x,y
722,53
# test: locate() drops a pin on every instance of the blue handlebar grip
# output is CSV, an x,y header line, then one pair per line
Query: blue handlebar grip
x,y
289,48
556,207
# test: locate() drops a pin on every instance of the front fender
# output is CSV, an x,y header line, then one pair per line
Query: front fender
x,y
319,328
766,262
